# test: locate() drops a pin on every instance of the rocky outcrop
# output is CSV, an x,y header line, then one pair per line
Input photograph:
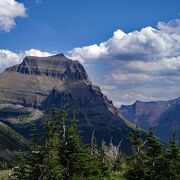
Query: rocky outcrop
x,y
40,82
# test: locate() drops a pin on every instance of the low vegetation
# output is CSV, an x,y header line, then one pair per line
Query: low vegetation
x,y
64,157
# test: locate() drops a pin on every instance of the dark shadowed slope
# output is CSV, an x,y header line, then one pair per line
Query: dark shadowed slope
x,y
10,142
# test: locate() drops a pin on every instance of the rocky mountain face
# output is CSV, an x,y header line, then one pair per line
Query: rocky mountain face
x,y
28,91
162,116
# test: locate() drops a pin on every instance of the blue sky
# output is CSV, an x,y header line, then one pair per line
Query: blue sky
x,y
60,25
130,47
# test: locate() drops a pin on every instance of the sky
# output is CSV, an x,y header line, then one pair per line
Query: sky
x,y
130,48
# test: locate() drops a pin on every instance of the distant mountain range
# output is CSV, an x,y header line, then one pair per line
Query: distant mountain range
x,y
28,91
162,116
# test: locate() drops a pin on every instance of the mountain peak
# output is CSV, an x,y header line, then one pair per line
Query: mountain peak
x,y
56,66
60,55
137,101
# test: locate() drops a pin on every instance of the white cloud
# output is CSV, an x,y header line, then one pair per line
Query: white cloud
x,y
120,77
9,10
95,52
9,58
147,44
136,65
172,27
129,95
92,52
161,65
35,52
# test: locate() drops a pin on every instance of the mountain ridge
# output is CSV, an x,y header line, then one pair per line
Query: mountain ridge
x,y
162,116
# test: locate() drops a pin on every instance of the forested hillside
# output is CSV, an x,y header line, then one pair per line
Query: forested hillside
x,y
63,156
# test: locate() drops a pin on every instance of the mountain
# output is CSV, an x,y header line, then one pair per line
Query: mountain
x,y
162,116
28,91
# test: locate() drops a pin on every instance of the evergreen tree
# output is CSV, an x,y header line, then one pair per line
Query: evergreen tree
x,y
137,167
73,155
102,164
52,169
172,159
154,158
98,166
77,160
120,163
34,137
21,171
36,156
154,146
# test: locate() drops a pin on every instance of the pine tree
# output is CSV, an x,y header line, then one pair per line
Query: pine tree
x,y
52,169
77,160
94,167
72,152
21,171
137,167
97,166
36,156
172,159
154,146
154,156
102,166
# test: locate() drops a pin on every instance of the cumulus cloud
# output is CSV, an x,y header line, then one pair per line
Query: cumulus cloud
x,y
9,58
172,27
9,11
92,52
145,59
147,44
95,52
36,52
161,65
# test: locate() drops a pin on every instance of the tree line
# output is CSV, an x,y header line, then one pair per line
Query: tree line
x,y
64,157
